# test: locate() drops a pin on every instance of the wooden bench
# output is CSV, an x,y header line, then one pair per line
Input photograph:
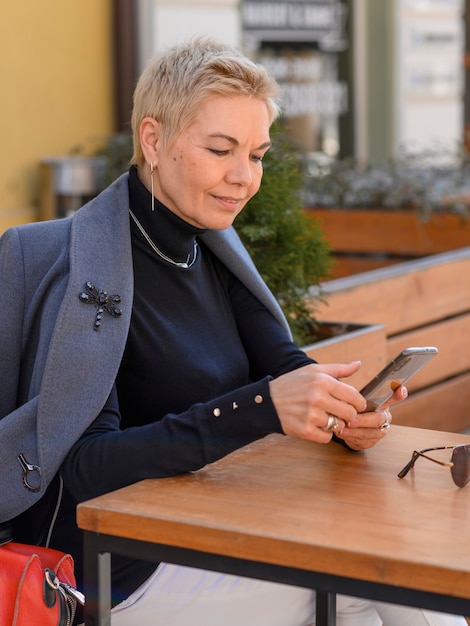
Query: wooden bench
x,y
420,302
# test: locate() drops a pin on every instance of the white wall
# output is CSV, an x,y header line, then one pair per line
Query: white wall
x,y
429,78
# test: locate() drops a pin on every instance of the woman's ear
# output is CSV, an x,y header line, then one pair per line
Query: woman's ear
x,y
149,139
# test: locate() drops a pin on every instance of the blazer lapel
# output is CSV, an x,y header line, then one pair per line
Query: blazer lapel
x,y
83,362
227,245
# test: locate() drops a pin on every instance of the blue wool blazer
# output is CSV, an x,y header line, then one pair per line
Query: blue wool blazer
x,y
56,370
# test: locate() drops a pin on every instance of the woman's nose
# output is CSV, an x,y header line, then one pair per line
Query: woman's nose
x,y
240,173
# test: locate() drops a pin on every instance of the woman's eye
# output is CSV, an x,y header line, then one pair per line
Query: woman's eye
x,y
218,152
254,157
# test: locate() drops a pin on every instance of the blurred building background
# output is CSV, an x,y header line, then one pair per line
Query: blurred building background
x,y
360,78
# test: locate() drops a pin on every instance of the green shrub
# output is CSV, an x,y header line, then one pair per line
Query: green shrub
x,y
285,244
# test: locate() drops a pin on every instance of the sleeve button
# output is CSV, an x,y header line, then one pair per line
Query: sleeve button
x,y
259,399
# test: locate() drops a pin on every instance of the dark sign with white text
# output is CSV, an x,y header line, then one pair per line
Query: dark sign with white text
x,y
321,22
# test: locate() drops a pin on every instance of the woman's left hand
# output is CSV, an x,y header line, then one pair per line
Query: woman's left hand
x,y
367,429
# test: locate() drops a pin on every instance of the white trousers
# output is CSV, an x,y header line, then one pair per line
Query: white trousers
x,y
183,596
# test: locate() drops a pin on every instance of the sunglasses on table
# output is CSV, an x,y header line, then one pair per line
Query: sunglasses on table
x,y
459,462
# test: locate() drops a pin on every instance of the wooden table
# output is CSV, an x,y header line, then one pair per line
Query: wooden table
x,y
314,515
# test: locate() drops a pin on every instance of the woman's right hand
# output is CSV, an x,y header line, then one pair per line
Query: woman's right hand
x,y
304,398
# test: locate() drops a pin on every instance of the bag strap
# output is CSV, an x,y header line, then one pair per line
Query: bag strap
x,y
6,532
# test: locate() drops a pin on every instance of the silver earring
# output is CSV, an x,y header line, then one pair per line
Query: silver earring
x,y
151,184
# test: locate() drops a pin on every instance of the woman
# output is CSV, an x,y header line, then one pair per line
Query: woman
x,y
141,342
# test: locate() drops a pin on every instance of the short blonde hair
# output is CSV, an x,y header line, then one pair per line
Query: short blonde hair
x,y
174,85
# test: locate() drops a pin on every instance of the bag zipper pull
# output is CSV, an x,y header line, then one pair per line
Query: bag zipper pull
x,y
73,593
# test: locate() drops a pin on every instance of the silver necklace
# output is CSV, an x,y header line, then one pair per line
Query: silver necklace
x,y
166,258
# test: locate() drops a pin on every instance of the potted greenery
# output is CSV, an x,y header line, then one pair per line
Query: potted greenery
x,y
117,149
411,206
287,247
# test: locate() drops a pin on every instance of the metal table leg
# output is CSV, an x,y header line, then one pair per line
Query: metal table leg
x,y
326,609
97,583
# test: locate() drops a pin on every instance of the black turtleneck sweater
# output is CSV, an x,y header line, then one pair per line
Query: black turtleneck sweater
x,y
194,380
195,333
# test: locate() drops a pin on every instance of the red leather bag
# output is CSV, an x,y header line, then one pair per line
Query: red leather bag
x,y
37,586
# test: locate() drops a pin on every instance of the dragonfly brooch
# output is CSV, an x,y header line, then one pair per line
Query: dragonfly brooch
x,y
103,302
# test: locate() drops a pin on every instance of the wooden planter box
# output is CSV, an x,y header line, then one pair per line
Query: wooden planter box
x,y
420,302
345,342
365,239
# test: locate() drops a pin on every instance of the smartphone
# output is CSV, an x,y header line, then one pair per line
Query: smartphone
x,y
396,373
